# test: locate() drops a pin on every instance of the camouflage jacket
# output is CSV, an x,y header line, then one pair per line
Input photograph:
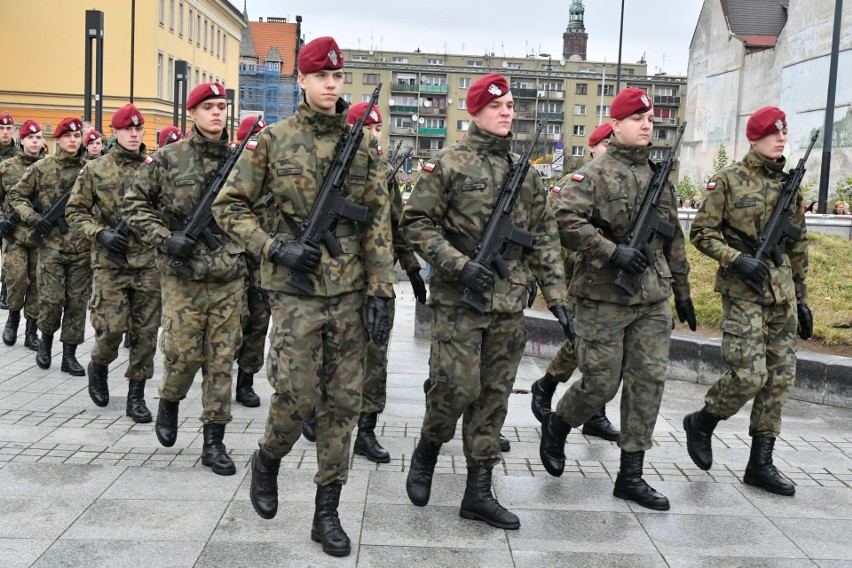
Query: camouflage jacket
x,y
162,197
95,203
738,202
596,209
402,251
11,172
42,184
449,209
568,257
290,161
9,150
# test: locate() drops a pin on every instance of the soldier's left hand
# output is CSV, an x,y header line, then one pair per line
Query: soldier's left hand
x,y
686,312
806,321
179,245
378,320
418,285
565,319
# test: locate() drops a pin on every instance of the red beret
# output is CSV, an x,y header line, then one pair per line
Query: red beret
x,y
485,90
6,119
92,136
68,125
631,100
356,111
321,53
599,133
246,123
30,127
128,115
203,92
168,135
765,121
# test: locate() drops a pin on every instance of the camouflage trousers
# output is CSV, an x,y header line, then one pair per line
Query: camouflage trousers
x,y
316,359
616,343
64,284
201,329
564,364
255,327
126,301
759,346
473,362
20,262
374,394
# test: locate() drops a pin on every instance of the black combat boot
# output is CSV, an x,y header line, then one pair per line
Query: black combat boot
x,y
365,441
136,407
629,484
264,484
600,426
419,482
326,526
505,444
10,332
309,426
31,335
699,428
44,348
542,396
427,384
761,472
98,388
213,452
245,391
551,449
479,504
69,361
166,426
3,297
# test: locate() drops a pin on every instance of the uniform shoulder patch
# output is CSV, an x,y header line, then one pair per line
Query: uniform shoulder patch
x,y
149,160
711,185
251,145
555,189
80,172
429,166
578,177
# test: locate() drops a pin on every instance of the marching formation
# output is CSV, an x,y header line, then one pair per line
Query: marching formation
x,y
205,246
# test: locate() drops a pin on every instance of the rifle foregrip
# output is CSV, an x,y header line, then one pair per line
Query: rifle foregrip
x,y
473,299
300,281
62,225
331,244
624,282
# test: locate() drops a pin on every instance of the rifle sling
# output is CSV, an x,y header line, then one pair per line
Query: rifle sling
x,y
467,245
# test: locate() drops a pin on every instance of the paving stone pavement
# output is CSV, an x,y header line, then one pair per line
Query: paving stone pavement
x,y
85,486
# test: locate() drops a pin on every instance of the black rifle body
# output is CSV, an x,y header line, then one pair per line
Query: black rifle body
x,y
123,229
56,217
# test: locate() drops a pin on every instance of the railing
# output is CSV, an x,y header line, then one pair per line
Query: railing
x,y
403,130
666,121
426,111
432,131
666,100
526,93
433,88
403,108
404,87
560,116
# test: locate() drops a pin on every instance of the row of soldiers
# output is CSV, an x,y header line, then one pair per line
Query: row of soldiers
x,y
342,308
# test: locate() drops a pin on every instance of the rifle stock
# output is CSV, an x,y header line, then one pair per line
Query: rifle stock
x,y
56,216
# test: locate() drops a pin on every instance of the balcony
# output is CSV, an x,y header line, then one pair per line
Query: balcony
x,y
552,95
404,109
433,89
525,93
404,87
403,130
432,131
665,121
661,142
522,136
433,111
664,100
552,116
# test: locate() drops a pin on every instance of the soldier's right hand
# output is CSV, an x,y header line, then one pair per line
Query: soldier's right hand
x,y
751,268
630,259
7,227
112,241
178,244
476,276
42,225
304,258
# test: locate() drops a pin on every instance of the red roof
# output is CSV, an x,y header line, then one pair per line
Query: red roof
x,y
282,35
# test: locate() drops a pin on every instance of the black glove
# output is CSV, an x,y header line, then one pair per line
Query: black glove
x,y
565,319
806,321
42,225
178,244
303,258
630,259
686,312
751,268
378,321
7,227
112,241
418,285
532,288
476,276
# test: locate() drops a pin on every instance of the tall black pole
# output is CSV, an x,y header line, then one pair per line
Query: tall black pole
x,y
132,43
620,34
230,96
99,77
825,169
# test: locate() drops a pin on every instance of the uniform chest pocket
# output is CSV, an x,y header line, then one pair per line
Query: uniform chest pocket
x,y
746,202
291,166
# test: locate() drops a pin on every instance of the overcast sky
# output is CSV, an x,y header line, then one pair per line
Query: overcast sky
x,y
660,29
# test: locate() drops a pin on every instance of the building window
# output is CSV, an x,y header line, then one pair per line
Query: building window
x,y
658,154
197,82
198,30
579,130
204,45
474,63
346,97
172,15
360,57
554,128
400,60
188,77
464,82
434,61
602,110
159,75
607,90
170,77
580,110
161,12
514,65
180,19
582,89
434,123
372,78
347,77
212,34
204,77
224,47
462,104
462,125
661,134
578,151
366,98
218,43
191,22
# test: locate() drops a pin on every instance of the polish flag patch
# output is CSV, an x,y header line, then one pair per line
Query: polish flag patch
x,y
429,166
578,177
711,185
149,160
555,189
251,145
80,172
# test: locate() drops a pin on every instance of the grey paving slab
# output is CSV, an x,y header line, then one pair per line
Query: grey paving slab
x,y
819,538
56,480
147,439
47,518
191,484
384,556
810,503
101,553
389,488
710,499
252,555
676,561
14,433
22,552
557,494
85,436
535,559
834,563
579,531
298,487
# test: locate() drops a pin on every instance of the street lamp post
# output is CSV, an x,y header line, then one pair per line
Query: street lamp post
x,y
546,104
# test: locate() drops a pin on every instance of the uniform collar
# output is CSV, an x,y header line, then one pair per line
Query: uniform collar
x,y
68,160
757,162
486,143
207,147
631,155
320,122
124,155
27,159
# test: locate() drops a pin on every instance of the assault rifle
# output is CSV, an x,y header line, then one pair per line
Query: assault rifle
x,y
395,165
201,224
56,217
779,227
500,231
648,222
120,259
394,152
330,205
14,219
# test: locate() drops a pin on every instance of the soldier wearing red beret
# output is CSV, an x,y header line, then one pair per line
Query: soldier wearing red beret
x,y
245,125
94,143
737,204
7,136
599,139
168,135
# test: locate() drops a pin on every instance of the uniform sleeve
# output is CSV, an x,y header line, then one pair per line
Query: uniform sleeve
x,y
545,262
402,250
573,208
798,250
21,195
139,206
674,250
78,212
421,221
706,233
246,185
377,240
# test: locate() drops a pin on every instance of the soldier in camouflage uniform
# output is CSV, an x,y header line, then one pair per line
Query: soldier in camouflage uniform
x,y
316,354
20,256
619,337
565,362
125,295
8,149
475,356
94,144
758,328
64,266
201,309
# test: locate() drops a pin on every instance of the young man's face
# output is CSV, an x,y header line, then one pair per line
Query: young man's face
x,y
95,147
33,144
70,142
322,89
496,117
772,145
209,117
130,138
6,133
634,130
599,148
375,129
